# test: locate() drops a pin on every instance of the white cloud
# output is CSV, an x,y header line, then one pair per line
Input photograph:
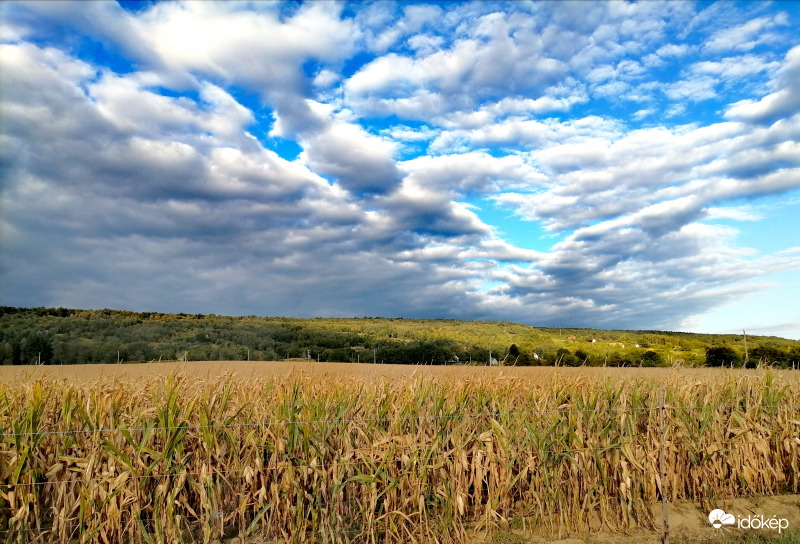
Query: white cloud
x,y
471,172
359,161
782,103
695,89
326,78
734,67
425,44
154,162
673,50
482,65
747,36
649,168
643,113
402,133
235,44
737,213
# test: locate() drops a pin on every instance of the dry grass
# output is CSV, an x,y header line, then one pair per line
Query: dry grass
x,y
331,458
364,372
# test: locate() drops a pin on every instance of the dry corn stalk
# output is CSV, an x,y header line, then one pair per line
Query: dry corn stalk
x,y
177,459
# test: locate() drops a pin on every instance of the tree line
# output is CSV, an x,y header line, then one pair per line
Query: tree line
x,y
72,336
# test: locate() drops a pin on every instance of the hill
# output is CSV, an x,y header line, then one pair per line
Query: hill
x,y
70,336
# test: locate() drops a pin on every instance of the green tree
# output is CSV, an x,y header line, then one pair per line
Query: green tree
x,y
769,354
36,347
722,356
652,358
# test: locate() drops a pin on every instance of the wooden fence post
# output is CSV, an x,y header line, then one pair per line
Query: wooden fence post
x,y
662,467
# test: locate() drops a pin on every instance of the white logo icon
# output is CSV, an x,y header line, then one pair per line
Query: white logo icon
x,y
718,518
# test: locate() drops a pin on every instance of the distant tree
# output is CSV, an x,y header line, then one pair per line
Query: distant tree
x,y
6,353
571,360
769,354
722,356
652,358
35,347
524,360
566,358
794,355
544,355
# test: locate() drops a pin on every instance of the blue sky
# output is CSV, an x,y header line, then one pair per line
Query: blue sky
x,y
609,165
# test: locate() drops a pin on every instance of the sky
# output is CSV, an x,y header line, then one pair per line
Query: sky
x,y
605,165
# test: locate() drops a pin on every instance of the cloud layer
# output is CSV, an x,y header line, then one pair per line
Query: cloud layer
x,y
343,159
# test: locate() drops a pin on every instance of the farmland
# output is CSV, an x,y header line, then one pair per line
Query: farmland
x,y
322,452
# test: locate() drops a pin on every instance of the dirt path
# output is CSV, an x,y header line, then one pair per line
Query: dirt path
x,y
688,523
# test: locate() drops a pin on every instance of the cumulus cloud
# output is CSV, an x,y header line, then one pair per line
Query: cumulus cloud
x,y
485,62
144,160
746,36
178,202
782,103
471,172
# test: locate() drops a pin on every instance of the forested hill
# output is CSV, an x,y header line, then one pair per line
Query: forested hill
x,y
68,336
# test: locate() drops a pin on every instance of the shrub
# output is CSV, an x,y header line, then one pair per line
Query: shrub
x,y
722,356
652,358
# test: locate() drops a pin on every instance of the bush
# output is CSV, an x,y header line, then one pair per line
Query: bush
x,y
722,356
652,358
571,360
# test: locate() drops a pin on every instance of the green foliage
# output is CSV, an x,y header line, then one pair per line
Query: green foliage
x,y
722,356
652,358
67,336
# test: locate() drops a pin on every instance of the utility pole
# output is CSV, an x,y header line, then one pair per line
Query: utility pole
x,y
374,356
745,347
117,356
490,356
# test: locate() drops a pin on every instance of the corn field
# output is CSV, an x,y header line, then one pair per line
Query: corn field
x,y
181,459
